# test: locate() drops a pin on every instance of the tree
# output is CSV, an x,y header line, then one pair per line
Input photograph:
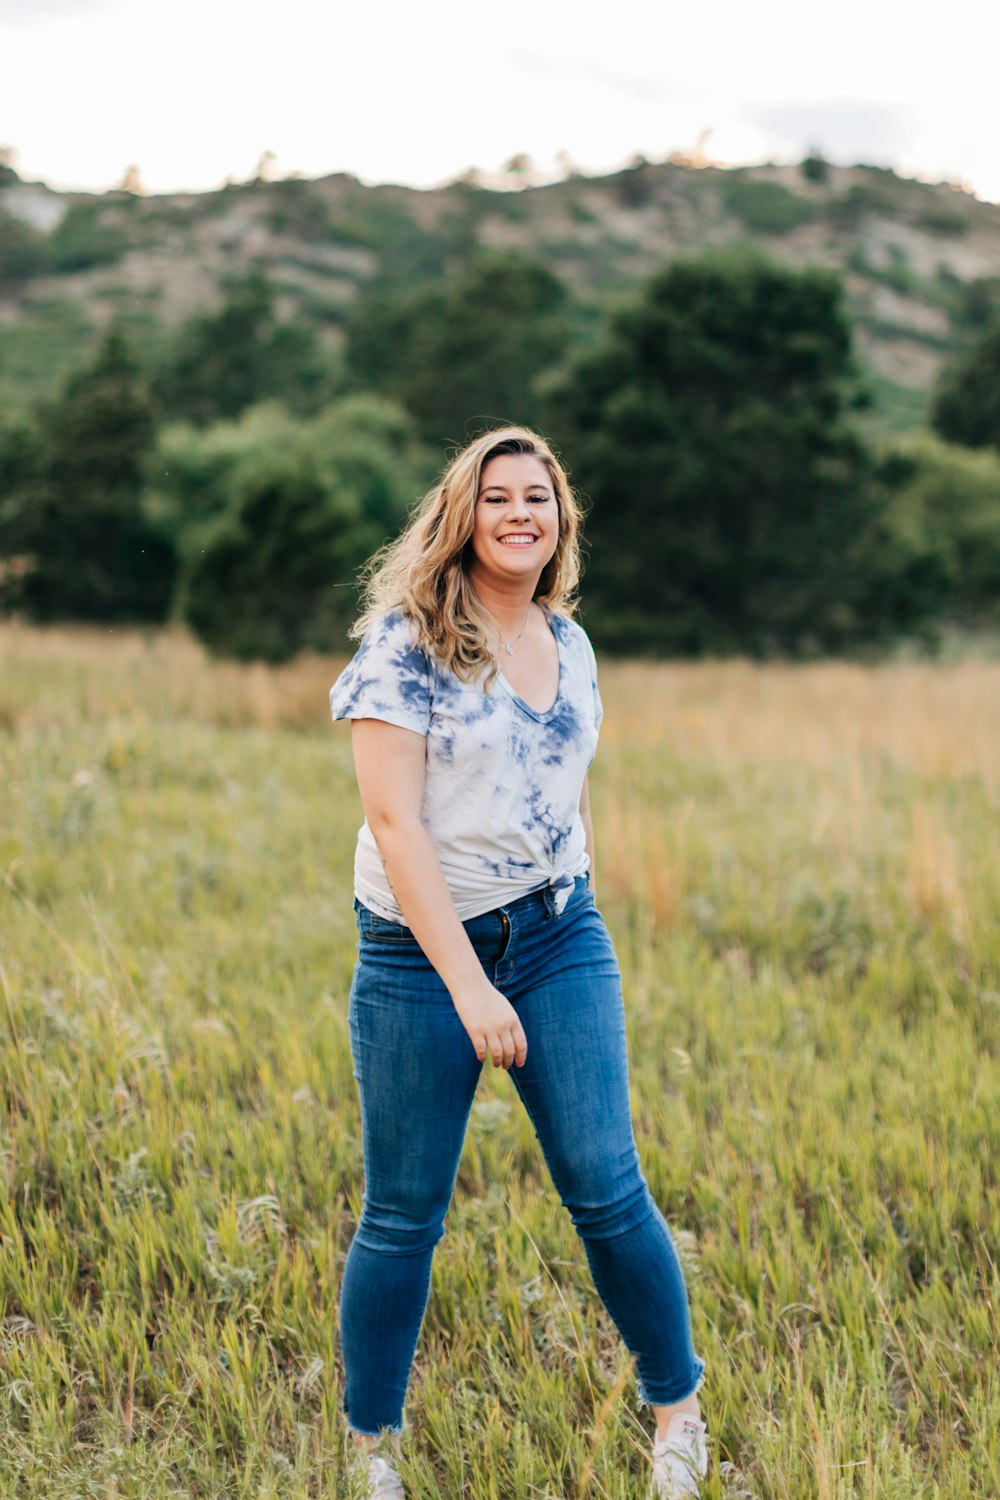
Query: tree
x,y
814,166
468,353
86,549
947,506
227,361
296,507
733,506
519,169
966,406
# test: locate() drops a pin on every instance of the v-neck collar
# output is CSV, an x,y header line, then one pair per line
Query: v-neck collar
x,y
541,714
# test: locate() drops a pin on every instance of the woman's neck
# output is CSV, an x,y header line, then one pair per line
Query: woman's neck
x,y
508,606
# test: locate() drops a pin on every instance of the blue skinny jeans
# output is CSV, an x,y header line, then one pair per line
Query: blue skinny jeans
x,y
417,1072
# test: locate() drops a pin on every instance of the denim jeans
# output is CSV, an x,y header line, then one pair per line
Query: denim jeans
x,y
417,1072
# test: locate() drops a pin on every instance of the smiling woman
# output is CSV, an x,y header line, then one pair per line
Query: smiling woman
x,y
479,935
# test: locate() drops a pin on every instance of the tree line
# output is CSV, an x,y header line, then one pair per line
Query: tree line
x,y
711,422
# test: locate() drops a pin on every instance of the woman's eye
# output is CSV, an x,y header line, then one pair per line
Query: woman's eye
x,y
502,499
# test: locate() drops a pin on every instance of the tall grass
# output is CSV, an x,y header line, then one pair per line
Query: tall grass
x,y
801,870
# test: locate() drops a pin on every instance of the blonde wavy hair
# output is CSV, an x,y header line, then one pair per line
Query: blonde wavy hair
x,y
424,572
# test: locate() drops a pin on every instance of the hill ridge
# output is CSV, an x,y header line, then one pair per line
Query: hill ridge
x,y
920,261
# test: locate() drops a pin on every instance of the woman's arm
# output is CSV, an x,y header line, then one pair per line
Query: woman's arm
x,y
588,828
390,762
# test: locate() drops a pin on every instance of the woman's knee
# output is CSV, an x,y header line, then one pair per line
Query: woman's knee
x,y
400,1229
604,1199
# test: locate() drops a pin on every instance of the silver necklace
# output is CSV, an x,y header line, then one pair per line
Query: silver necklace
x,y
509,648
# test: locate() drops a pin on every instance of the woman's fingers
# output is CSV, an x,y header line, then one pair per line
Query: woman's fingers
x,y
505,1047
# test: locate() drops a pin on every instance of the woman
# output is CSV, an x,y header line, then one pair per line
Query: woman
x,y
475,712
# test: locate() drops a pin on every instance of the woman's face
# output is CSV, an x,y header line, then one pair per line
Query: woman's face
x,y
516,528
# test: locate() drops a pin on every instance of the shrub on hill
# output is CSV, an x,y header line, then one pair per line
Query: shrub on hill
x,y
84,238
765,207
22,251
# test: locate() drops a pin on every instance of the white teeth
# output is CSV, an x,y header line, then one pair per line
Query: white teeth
x,y
516,540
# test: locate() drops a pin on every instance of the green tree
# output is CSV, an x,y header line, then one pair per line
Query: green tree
x,y
21,447
294,509
734,508
467,353
966,407
946,507
74,517
227,361
814,166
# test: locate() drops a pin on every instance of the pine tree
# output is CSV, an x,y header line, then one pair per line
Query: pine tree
x,y
86,548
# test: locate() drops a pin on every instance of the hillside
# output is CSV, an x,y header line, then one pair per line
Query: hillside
x,y
921,262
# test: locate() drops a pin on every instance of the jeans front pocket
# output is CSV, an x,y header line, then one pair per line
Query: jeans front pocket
x,y
376,929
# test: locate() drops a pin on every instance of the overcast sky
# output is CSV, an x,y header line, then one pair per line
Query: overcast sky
x,y
194,91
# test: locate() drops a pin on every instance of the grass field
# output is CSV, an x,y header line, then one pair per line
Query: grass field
x,y
801,869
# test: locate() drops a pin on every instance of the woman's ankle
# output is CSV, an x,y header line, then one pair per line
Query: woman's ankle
x,y
664,1414
367,1442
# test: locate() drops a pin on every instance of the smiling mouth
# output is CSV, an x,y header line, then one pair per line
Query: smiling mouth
x,y
517,539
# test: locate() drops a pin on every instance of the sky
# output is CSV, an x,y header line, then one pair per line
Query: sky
x,y
195,91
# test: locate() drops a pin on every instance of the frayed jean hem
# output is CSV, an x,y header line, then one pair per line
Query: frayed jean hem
x,y
650,1396
355,1431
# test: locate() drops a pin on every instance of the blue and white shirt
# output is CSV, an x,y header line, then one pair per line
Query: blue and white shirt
x,y
503,780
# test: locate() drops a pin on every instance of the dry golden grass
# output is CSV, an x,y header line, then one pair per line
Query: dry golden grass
x,y
933,720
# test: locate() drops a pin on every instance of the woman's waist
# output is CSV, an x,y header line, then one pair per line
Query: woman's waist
x,y
478,880
490,931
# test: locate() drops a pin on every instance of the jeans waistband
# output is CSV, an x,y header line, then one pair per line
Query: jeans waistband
x,y
546,898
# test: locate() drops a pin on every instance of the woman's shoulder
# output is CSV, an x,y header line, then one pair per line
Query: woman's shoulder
x,y
570,632
388,676
392,635
389,624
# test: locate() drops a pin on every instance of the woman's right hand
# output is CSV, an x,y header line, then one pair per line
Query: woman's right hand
x,y
493,1025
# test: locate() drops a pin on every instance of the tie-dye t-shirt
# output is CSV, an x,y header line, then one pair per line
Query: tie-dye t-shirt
x,y
503,780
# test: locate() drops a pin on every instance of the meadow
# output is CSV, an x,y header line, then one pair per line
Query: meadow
x,y
800,866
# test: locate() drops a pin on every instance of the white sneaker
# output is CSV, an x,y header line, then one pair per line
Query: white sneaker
x,y
383,1481
680,1460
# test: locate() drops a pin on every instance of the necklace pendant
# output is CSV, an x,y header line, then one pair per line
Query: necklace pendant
x,y
509,649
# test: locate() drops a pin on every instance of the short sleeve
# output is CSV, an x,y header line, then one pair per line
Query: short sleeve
x,y
598,705
388,678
